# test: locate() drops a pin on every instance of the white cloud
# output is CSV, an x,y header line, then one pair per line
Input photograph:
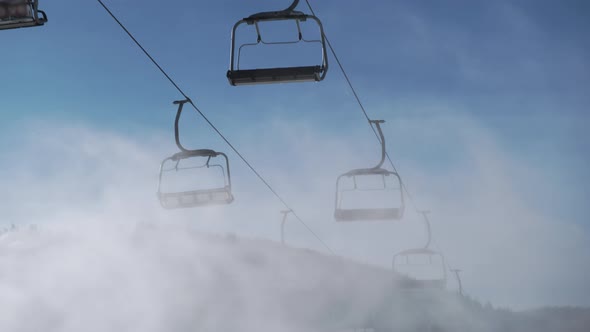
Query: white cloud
x,y
512,255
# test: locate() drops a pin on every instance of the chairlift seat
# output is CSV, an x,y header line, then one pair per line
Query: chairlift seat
x,y
11,21
367,214
196,198
368,171
418,251
194,153
409,283
20,14
275,75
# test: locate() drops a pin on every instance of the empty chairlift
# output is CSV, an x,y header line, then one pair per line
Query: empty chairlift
x,y
20,14
423,268
191,178
310,73
369,193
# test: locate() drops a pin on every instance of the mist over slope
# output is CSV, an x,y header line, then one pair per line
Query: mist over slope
x,y
154,278
91,268
173,280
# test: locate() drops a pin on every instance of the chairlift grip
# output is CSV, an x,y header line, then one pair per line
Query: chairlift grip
x,y
287,10
187,100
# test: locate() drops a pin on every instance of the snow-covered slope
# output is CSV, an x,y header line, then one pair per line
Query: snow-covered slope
x,y
155,279
169,279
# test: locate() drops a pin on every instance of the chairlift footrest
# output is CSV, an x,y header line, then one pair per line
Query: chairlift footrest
x,y
367,214
275,75
188,199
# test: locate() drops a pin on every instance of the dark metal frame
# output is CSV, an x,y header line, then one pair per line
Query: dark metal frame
x,y
341,214
193,198
237,76
32,20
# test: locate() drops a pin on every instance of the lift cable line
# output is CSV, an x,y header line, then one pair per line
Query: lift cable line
x,y
260,177
362,107
364,111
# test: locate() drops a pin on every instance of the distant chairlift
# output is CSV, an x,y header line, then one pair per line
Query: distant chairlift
x,y
424,268
390,187
428,268
198,197
313,73
20,14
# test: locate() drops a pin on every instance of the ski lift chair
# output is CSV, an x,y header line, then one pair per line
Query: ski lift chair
x,y
406,259
20,14
395,212
195,197
313,73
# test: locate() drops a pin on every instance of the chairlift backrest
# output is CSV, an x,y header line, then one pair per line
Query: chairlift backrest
x,y
20,14
312,73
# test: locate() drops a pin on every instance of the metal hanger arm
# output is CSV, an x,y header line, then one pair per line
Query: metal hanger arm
x,y
180,104
428,231
377,124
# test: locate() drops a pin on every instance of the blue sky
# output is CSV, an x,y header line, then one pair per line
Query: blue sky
x,y
518,70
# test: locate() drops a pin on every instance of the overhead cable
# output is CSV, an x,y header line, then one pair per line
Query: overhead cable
x,y
258,175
